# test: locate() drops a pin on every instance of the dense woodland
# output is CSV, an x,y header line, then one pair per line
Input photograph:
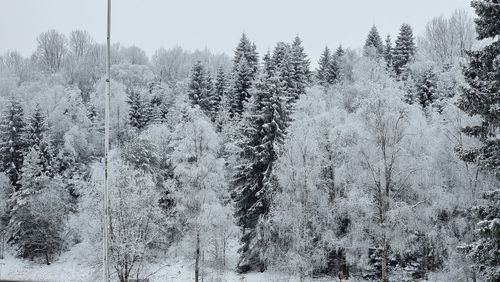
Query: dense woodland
x,y
382,163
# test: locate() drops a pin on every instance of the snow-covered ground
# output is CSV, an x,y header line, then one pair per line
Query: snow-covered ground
x,y
73,266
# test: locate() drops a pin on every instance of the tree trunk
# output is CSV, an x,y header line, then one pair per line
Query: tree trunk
x,y
385,277
197,259
47,258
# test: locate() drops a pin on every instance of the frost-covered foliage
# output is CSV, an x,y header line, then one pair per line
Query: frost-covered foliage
x,y
366,169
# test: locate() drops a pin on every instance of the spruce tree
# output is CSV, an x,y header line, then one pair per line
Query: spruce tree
x,y
242,78
340,51
388,51
12,142
300,64
373,41
138,114
333,71
481,97
36,133
263,134
33,233
267,66
220,88
404,49
426,89
245,66
246,50
323,67
196,85
209,102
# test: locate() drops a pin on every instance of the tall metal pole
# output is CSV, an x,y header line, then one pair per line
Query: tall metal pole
x,y
106,220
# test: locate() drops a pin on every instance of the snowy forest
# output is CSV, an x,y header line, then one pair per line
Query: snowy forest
x,y
380,164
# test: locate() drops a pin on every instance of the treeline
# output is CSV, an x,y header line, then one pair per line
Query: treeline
x,y
369,165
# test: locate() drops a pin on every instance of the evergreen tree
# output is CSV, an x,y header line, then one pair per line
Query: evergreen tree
x,y
12,142
245,66
220,88
340,51
139,113
388,51
34,232
324,65
426,89
247,51
373,41
300,64
242,83
263,134
196,87
267,66
404,49
481,97
36,133
333,71
329,70
209,102
282,66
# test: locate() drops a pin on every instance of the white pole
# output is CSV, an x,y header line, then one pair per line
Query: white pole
x,y
106,150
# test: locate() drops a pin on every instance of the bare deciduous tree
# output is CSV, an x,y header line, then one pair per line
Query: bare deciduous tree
x,y
51,50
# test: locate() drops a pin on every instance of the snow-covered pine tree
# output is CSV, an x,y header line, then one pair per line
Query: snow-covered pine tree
x,y
138,115
300,65
196,83
333,71
404,49
282,66
340,51
209,102
373,41
245,66
248,51
267,66
426,89
323,66
242,80
12,142
481,97
263,134
34,232
388,51
220,87
36,136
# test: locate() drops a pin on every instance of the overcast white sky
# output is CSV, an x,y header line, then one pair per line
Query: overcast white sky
x,y
217,24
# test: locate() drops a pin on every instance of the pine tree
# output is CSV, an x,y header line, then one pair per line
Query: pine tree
x,y
209,102
36,133
245,66
33,232
300,64
340,51
220,88
373,41
242,78
481,97
12,142
267,66
247,51
139,113
282,65
263,134
388,51
324,65
426,89
333,71
196,85
404,49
